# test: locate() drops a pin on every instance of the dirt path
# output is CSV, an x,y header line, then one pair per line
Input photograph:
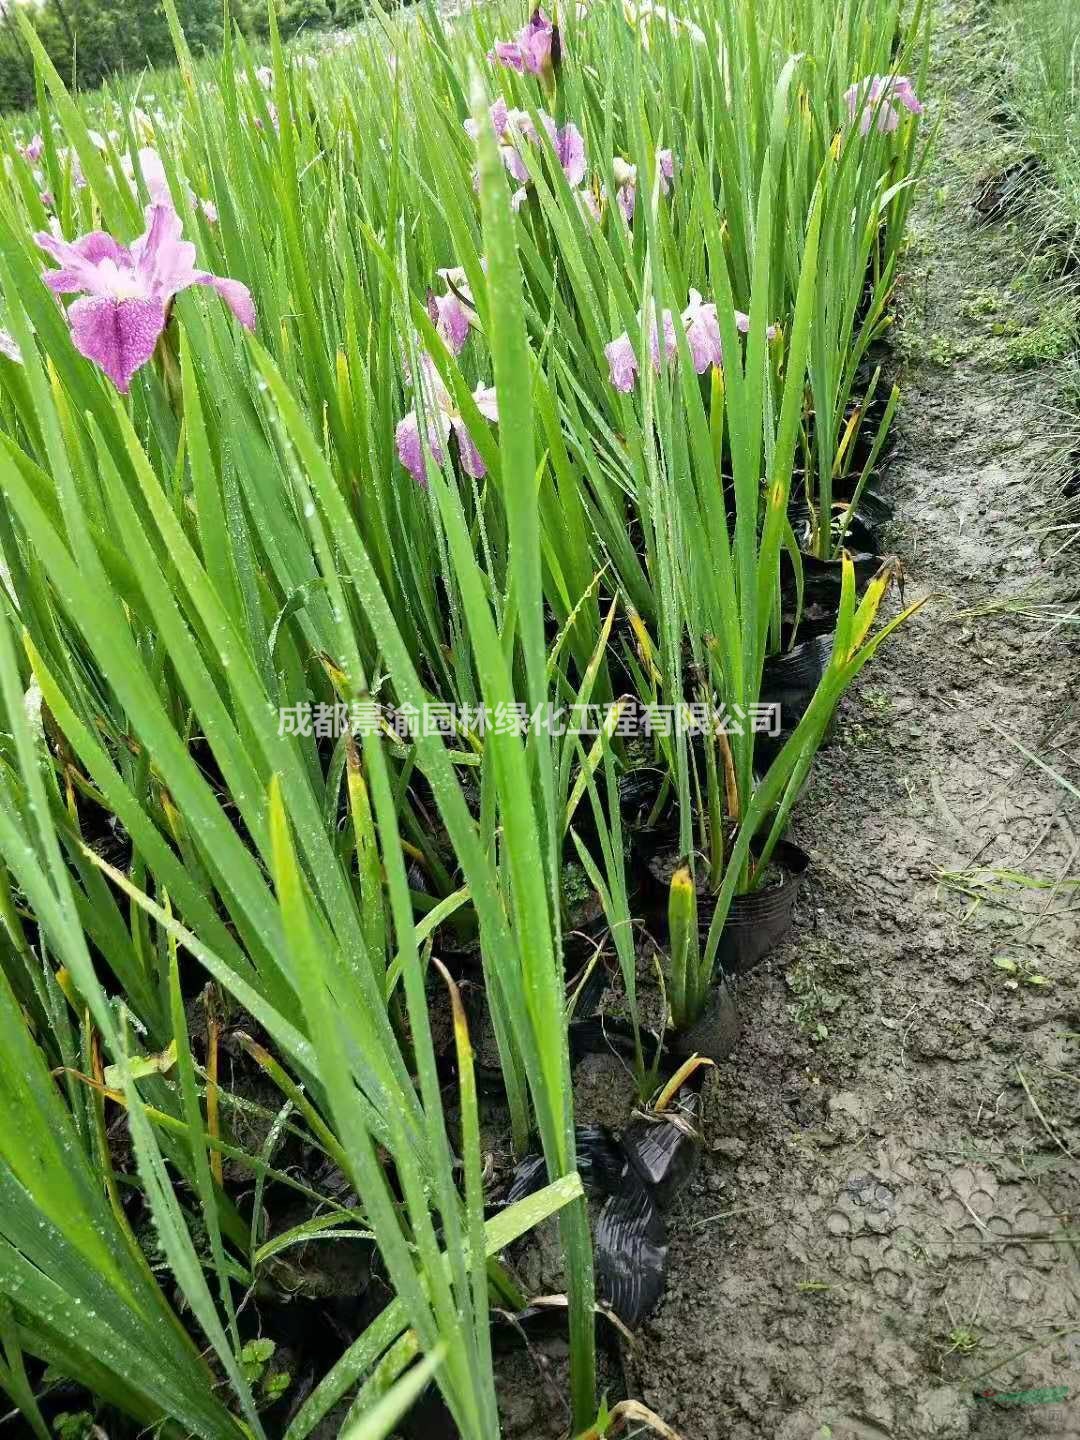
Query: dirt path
x,y
860,1243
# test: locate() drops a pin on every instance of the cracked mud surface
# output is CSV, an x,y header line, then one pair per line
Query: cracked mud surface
x,y
887,1215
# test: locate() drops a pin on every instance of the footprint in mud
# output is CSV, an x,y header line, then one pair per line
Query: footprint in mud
x,y
868,1190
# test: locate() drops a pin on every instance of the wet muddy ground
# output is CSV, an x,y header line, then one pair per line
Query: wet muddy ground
x,y
886,1219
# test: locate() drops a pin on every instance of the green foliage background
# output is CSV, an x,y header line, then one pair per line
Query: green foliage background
x,y
89,40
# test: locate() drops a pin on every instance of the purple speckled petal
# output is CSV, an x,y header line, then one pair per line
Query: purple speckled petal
x,y
410,450
515,165
452,322
571,150
702,334
671,344
888,118
235,293
535,43
622,363
531,48
905,93
472,462
875,97
627,198
665,163
407,436
508,52
118,335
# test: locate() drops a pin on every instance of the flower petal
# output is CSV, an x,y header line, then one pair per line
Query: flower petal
x,y
536,42
118,335
452,322
154,177
515,165
235,293
671,345
702,335
571,150
409,448
79,261
166,262
905,93
622,363
508,52
487,402
472,462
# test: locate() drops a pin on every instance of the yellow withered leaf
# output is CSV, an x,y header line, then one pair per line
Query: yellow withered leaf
x,y
142,1065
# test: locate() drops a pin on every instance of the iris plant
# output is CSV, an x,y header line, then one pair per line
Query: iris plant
x,y
126,291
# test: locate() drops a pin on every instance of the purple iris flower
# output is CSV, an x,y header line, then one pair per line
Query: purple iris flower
x,y
451,313
442,416
513,126
533,50
157,182
875,97
33,152
742,324
626,179
702,333
622,357
702,329
127,291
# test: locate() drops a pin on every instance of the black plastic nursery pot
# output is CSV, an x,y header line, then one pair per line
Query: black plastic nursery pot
x,y
756,921
715,1033
631,1178
788,682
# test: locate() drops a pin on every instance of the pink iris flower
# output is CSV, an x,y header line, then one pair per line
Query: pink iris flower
x,y
127,291
33,152
875,97
626,179
622,357
513,126
157,182
702,329
533,50
442,417
451,314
